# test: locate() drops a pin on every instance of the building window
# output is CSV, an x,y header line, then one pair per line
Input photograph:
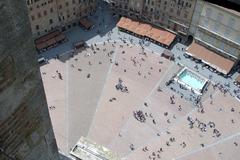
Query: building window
x,y
178,12
60,6
37,27
45,13
51,10
29,2
33,18
39,15
50,21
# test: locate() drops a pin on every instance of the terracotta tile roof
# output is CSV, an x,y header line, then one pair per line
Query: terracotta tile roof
x,y
41,45
60,37
143,29
51,42
124,22
47,37
121,22
211,58
146,30
133,25
169,38
155,34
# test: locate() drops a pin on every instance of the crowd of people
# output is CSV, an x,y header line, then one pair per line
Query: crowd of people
x,y
120,86
139,115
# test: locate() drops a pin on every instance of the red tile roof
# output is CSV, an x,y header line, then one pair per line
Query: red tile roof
x,y
146,30
211,58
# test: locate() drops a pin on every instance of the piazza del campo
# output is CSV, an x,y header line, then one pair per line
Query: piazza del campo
x,y
120,80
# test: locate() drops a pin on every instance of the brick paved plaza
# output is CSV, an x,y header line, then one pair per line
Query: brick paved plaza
x,y
87,103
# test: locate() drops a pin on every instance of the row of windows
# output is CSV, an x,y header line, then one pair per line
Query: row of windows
x,y
39,15
51,10
29,2
74,1
37,26
173,3
62,17
152,8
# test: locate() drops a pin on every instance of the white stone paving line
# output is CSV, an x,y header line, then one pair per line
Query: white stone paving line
x,y
208,146
66,101
107,77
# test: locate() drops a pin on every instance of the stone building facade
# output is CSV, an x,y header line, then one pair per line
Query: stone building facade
x,y
217,28
174,15
25,128
213,26
47,15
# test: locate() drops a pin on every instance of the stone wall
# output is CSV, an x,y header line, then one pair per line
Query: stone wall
x,y
25,128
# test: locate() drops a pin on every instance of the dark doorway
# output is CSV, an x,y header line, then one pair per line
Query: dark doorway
x,y
189,40
63,28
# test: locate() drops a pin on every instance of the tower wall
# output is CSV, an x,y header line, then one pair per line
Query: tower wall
x,y
25,127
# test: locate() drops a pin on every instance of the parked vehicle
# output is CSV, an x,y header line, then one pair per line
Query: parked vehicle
x,y
42,60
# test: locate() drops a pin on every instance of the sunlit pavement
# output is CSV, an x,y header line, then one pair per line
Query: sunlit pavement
x,y
80,105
